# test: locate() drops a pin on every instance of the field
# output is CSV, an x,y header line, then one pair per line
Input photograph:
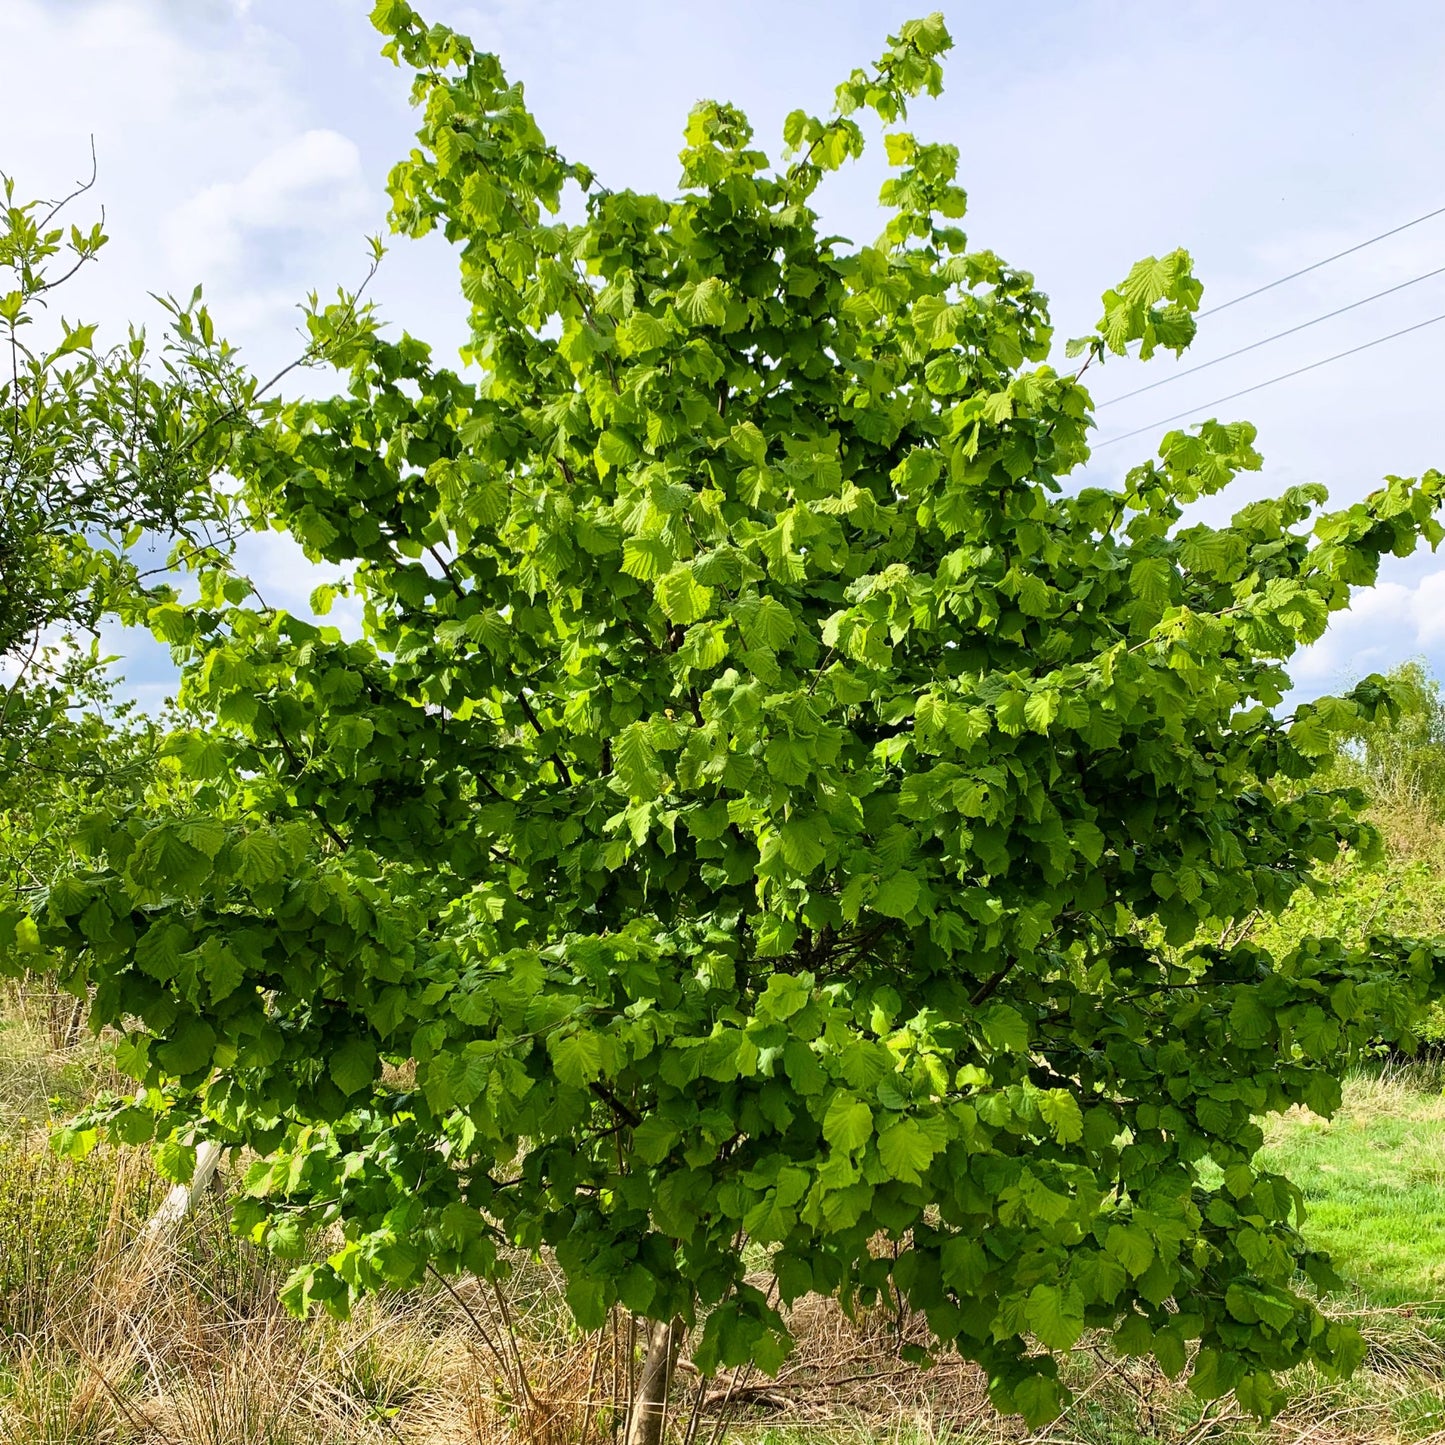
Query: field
x,y
182,1343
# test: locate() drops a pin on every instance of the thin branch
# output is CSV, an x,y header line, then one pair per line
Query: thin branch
x,y
511,1338
61,280
81,187
301,768
532,718
990,985
312,353
466,1309
628,1114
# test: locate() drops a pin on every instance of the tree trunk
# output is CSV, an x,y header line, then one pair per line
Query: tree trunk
x,y
648,1411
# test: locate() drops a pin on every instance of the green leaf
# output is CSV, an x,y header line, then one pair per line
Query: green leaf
x,y
769,1221
748,441
222,968
1056,1315
703,303
258,859
653,1138
864,1064
351,734
1060,1110
205,835
641,333
682,597
465,1073
785,995
763,621
634,760
1171,1352
906,1151
587,1299
1004,1028
164,862
803,1068
1038,1399
1152,581
848,1123
1011,712
176,1161
1132,1245
646,558
1040,710
802,849
188,1047
577,1057
897,895
1250,1022
352,1066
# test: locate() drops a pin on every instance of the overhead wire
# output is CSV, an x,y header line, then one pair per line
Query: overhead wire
x,y
1259,386
1278,336
1315,266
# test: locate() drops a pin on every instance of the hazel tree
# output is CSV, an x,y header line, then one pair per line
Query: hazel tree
x,y
766,801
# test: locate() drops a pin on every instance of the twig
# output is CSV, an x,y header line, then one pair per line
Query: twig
x,y
301,768
538,728
990,985
624,1111
477,1325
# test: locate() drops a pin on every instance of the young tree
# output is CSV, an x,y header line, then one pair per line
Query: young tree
x,y
765,804
1398,758
99,447
110,456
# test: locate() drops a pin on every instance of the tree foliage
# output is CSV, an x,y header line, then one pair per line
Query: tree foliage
x,y
99,445
106,454
111,458
766,802
1398,756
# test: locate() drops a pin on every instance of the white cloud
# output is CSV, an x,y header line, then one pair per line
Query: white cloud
x,y
1386,625
310,183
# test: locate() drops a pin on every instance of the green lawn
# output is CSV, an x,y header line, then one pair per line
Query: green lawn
x,y
1374,1184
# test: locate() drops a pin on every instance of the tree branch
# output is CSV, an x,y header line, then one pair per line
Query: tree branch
x,y
623,1111
301,768
532,718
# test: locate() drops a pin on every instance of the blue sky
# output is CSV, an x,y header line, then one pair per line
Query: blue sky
x,y
245,144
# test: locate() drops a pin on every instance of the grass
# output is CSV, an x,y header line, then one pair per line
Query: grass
x,y
1373,1178
100,1345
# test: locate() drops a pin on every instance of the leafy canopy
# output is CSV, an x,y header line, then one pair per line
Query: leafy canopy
x,y
99,445
764,802
104,451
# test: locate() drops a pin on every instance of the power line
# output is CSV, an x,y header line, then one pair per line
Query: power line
x,y
1259,386
1305,270
1278,335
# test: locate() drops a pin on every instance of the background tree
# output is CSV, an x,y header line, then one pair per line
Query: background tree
x,y
765,804
1398,758
114,464
100,448
1397,761
108,455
